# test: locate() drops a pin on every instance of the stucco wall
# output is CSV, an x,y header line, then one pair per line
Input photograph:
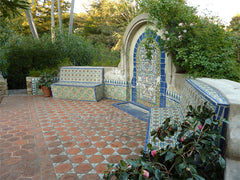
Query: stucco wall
x,y
231,91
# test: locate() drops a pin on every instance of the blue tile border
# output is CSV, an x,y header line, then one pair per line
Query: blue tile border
x,y
148,129
163,84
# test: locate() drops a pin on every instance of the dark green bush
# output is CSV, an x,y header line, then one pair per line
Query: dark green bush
x,y
196,155
24,56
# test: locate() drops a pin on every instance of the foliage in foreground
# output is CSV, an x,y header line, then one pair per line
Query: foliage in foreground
x,y
199,45
195,156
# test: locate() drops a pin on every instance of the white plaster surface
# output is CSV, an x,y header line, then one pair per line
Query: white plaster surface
x,y
232,171
231,91
113,73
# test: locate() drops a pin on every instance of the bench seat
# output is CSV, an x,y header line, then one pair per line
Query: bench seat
x,y
79,83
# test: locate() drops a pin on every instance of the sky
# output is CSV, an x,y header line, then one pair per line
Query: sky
x,y
225,9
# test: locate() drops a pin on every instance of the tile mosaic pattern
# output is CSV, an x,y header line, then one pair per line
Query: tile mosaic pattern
x,y
149,78
34,86
81,74
173,95
35,89
85,93
194,93
45,138
157,117
197,92
116,90
79,83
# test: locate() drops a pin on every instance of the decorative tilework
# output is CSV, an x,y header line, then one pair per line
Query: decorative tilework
x,y
79,83
115,91
149,79
81,74
116,82
35,89
157,117
173,95
195,93
85,93
34,85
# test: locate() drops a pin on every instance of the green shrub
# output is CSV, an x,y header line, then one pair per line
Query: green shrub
x,y
24,56
196,155
200,45
104,56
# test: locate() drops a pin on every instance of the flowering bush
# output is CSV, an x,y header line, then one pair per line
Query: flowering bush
x,y
199,45
196,155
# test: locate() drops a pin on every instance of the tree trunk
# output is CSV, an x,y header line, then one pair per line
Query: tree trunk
x,y
31,23
71,17
52,21
60,15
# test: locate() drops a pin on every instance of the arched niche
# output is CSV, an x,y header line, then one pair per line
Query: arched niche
x,y
133,37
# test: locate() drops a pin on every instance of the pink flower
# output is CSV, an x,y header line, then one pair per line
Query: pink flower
x,y
145,173
129,166
182,139
184,30
191,24
153,153
179,37
200,127
180,24
168,39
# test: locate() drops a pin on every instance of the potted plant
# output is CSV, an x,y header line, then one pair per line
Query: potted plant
x,y
45,81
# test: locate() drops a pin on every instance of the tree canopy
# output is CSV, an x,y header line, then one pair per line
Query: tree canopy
x,y
9,9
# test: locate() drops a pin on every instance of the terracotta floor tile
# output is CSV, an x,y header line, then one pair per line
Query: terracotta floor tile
x,y
64,139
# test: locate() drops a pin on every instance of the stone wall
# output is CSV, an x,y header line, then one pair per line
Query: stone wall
x,y
3,87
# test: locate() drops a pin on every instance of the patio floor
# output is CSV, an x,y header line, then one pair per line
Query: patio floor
x,y
46,139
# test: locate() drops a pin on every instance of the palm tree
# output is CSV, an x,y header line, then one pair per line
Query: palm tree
x,y
31,23
71,17
60,15
10,9
52,21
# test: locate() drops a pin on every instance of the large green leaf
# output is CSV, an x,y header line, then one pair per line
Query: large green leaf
x,y
169,156
157,174
197,177
123,176
192,169
203,156
123,163
222,162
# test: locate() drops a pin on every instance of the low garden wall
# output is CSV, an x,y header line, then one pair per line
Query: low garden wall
x,y
3,87
115,85
231,92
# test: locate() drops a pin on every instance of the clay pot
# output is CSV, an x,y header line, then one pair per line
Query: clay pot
x,y
46,91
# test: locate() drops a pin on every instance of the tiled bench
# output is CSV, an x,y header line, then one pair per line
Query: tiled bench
x,y
195,93
79,83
